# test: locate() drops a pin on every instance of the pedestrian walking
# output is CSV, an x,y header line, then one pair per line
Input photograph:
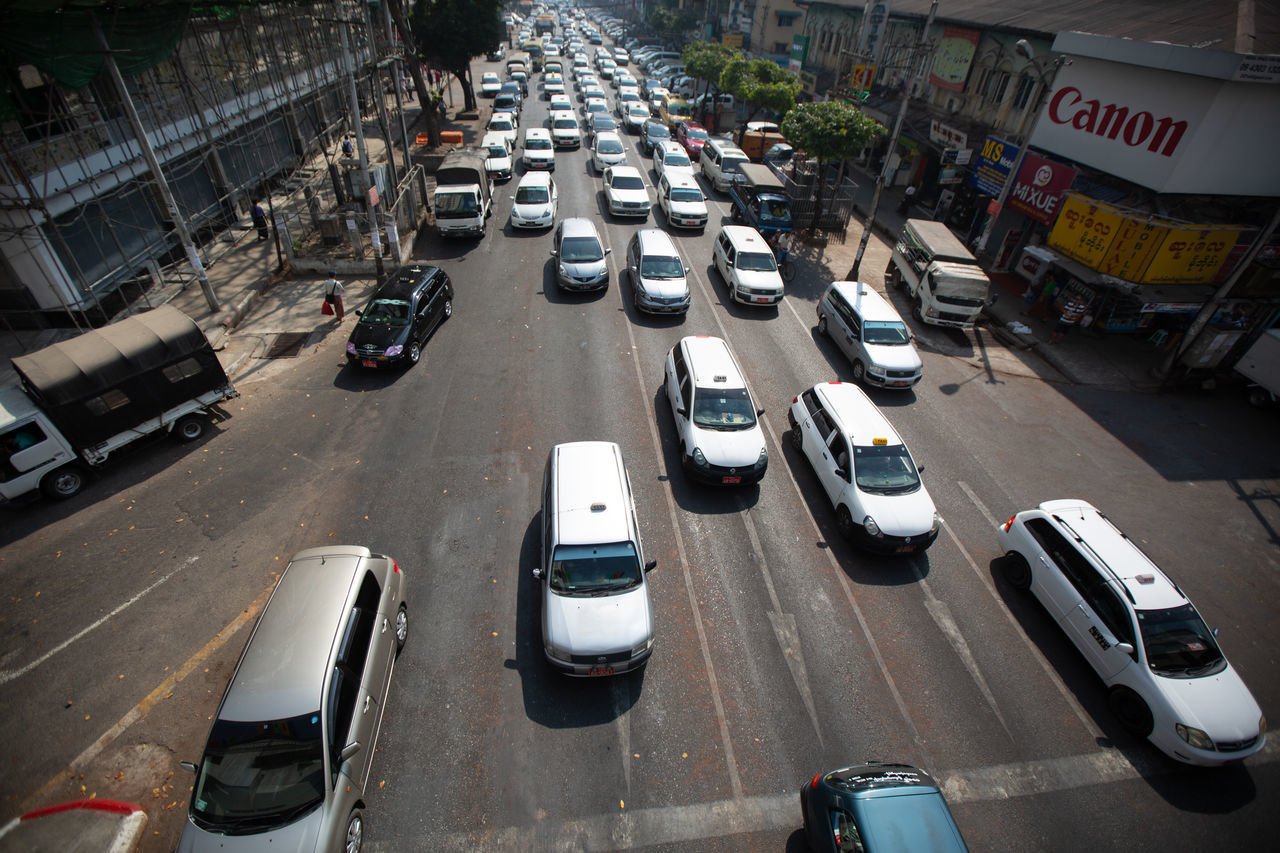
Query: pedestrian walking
x,y
348,147
259,217
1071,314
333,294
908,195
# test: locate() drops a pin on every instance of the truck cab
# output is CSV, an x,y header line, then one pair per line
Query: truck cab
x,y
946,284
760,199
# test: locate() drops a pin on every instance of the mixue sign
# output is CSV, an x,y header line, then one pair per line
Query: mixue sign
x,y
1039,187
1172,132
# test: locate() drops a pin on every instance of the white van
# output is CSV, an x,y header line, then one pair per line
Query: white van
x,y
747,265
867,328
539,150
596,615
720,160
498,161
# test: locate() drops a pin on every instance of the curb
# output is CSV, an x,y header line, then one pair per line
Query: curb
x,y
110,825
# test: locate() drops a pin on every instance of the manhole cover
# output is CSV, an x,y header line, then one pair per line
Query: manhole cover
x,y
287,345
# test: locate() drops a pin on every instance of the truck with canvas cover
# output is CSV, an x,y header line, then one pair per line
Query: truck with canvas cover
x,y
760,199
463,200
81,399
757,137
947,286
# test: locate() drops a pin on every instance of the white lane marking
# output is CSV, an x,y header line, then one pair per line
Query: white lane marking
x,y
731,764
9,675
982,508
1050,673
780,812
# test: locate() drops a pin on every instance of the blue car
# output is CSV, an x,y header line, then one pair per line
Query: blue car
x,y
878,807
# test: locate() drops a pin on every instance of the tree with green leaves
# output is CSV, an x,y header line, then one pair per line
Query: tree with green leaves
x,y
828,130
425,96
706,61
762,83
448,33
671,23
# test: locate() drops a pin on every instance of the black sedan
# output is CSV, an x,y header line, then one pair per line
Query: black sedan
x,y
400,316
878,807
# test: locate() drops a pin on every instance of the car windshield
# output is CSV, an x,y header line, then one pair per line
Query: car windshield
x,y
258,775
503,102
536,144
609,146
657,131
1178,643
661,267
581,250
393,312
723,409
697,133
627,182
497,151
885,470
595,569
532,195
501,124
686,194
562,123
455,204
674,159
775,212
637,110
756,262
600,123
891,332
730,165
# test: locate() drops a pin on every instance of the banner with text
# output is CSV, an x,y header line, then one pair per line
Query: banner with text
x,y
992,164
1039,187
953,57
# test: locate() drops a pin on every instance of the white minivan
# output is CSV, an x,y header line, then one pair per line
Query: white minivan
x,y
596,615
747,265
869,331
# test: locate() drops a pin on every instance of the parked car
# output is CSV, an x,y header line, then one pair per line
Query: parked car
x,y
289,757
625,193
580,255
1167,679
402,313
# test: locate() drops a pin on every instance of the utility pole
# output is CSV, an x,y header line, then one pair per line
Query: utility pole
x,y
347,62
852,275
149,154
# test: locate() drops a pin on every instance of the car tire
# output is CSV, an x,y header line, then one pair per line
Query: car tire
x,y
822,325
355,832
66,482
1131,710
415,353
402,628
189,427
844,521
917,310
1016,570
797,438
859,372
448,308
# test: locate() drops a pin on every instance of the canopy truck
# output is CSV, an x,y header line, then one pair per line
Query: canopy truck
x,y
947,286
760,199
81,399
463,199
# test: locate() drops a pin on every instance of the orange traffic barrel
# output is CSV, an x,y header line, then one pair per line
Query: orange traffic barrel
x,y
423,139
451,137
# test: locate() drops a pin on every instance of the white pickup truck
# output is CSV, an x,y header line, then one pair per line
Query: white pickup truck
x,y
947,286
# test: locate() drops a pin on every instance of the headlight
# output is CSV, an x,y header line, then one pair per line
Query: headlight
x,y
554,651
394,351
642,648
1194,736
869,525
937,522
763,459
351,348
698,458
1262,725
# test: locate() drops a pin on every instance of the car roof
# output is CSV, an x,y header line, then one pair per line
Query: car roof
x,y
536,132
404,281
871,304
287,659
656,241
1148,586
531,179
855,414
591,505
745,237
578,226
608,134
711,363
555,114
623,171
683,180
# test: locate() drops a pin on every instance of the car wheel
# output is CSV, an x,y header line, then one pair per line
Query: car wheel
x,y
844,521
189,428
859,372
822,324
415,353
402,627
917,310
1016,570
66,482
797,439
1131,710
448,308
355,832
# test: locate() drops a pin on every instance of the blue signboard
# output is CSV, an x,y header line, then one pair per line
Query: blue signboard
x,y
991,165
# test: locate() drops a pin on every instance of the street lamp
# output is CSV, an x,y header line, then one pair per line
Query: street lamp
x,y
1024,48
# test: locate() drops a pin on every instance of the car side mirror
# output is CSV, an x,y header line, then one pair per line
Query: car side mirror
x,y
188,765
359,313
651,565
554,253
513,198
1126,648
759,412
919,469
349,751
681,412
537,573
842,474
608,251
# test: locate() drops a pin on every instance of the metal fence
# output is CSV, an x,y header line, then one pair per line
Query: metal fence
x,y
800,181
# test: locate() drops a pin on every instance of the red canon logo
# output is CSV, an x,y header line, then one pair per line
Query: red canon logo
x,y
1112,121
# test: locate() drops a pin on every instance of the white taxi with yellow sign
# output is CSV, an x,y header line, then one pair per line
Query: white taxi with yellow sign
x,y
865,469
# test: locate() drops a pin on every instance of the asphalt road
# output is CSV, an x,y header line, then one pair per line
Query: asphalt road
x,y
781,650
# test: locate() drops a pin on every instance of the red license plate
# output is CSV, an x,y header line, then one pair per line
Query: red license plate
x,y
367,363
899,384
763,299
601,670
906,549
731,480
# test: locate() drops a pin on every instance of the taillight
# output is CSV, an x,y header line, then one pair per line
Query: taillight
x,y
795,399
814,783
1009,523
395,567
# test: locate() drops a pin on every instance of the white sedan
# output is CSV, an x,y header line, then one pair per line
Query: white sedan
x,y
670,159
625,192
634,118
536,202
490,85
607,150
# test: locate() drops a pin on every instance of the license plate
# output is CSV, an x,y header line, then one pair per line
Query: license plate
x,y
730,480
367,363
601,670
899,384
763,299
905,549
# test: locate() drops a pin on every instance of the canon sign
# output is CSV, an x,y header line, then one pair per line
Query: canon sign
x,y
1135,128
